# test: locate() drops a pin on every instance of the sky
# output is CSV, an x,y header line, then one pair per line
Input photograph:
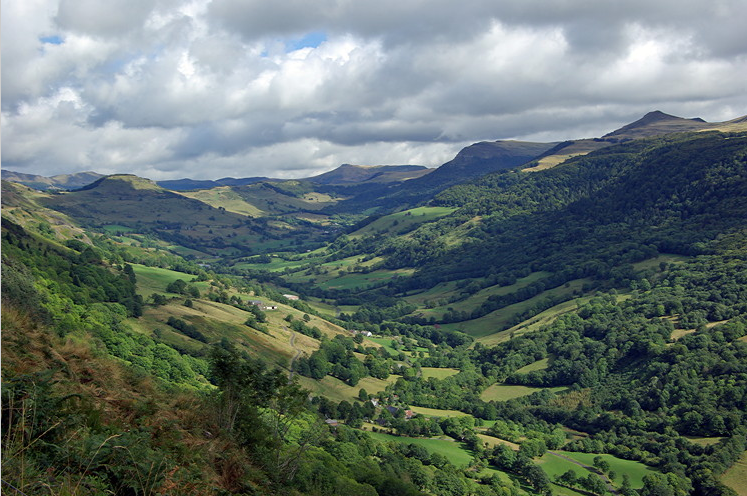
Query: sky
x,y
207,89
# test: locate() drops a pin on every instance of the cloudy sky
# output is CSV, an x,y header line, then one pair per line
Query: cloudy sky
x,y
290,88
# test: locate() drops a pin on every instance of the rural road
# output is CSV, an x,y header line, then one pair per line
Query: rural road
x,y
604,477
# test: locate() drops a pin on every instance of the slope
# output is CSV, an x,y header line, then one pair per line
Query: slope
x,y
142,205
62,181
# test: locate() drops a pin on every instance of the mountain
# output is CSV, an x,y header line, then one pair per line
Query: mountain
x,y
62,181
657,123
483,158
348,174
195,184
130,203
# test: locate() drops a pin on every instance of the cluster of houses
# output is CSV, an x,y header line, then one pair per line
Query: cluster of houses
x,y
261,305
365,334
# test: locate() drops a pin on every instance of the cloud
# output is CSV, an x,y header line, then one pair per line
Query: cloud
x,y
206,89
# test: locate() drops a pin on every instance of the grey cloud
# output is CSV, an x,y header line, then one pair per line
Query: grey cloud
x,y
105,19
174,88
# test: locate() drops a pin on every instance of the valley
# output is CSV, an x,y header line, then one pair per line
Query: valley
x,y
529,318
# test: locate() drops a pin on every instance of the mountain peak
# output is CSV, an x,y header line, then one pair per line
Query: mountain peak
x,y
656,123
119,180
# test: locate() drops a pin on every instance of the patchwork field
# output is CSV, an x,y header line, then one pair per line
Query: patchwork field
x,y
401,222
504,392
554,465
336,390
435,412
532,367
736,476
443,445
155,279
485,328
437,372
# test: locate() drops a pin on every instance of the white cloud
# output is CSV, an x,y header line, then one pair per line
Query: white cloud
x,y
200,88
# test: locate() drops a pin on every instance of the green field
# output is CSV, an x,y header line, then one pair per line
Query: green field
x,y
505,392
435,412
532,367
155,279
404,221
355,280
443,445
736,476
486,327
473,301
336,390
554,465
437,372
117,229
385,343
225,197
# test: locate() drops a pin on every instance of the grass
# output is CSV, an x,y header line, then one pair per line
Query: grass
x,y
435,412
504,392
472,302
355,280
498,320
385,343
155,279
116,229
704,441
402,222
532,367
554,465
336,390
224,196
446,446
736,476
438,373
494,441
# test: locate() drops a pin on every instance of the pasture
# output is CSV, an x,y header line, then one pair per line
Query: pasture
x,y
736,476
402,222
556,465
505,392
435,412
336,390
444,445
155,279
438,373
499,321
532,367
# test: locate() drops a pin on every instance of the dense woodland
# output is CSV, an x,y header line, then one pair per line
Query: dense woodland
x,y
647,359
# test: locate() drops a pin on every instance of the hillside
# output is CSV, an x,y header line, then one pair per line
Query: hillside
x,y
62,181
128,203
195,184
575,330
355,174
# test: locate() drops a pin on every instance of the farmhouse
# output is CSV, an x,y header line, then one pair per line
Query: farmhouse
x,y
291,297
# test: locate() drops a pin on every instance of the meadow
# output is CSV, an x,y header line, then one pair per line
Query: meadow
x,y
736,476
505,392
554,465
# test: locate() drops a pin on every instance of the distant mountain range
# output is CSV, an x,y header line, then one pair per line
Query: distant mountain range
x,y
62,181
409,180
